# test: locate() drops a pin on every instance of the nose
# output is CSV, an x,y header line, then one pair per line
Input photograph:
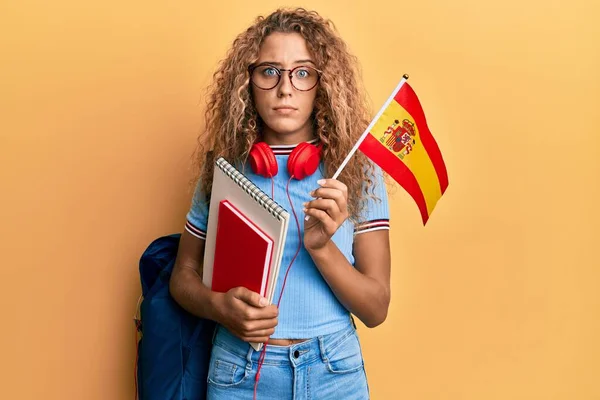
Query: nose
x,y
285,87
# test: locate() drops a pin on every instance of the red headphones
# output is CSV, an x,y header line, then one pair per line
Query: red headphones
x,y
302,162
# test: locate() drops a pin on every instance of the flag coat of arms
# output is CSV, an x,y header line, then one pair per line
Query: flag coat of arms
x,y
399,141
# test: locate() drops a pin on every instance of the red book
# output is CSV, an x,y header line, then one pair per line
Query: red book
x,y
242,252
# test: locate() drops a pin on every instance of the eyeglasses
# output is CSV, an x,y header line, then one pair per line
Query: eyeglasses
x,y
266,77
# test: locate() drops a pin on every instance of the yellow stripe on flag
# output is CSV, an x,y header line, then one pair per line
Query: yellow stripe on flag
x,y
417,161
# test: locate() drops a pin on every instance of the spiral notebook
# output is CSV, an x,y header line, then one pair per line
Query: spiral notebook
x,y
272,219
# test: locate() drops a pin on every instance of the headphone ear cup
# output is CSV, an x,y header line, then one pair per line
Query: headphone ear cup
x,y
304,160
262,160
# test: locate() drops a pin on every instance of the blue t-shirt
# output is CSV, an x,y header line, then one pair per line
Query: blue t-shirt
x,y
308,306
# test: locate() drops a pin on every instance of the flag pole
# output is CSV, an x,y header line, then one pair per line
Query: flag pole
x,y
366,132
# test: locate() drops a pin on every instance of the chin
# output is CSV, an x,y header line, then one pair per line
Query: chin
x,y
285,127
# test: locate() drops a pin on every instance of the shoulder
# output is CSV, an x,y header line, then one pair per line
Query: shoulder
x,y
197,216
374,214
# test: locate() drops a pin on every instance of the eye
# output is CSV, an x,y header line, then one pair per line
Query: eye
x,y
270,72
302,73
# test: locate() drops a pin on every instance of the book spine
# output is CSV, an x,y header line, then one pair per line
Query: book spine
x,y
254,191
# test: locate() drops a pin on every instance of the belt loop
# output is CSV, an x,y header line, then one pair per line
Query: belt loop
x,y
249,357
322,349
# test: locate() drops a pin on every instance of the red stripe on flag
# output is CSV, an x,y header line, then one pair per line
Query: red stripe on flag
x,y
408,99
391,164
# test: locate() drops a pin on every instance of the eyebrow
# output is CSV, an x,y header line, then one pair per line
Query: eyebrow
x,y
278,64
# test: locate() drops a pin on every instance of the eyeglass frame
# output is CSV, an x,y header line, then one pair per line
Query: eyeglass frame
x,y
252,67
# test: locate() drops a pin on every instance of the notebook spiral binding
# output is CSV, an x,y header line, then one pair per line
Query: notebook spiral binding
x,y
254,191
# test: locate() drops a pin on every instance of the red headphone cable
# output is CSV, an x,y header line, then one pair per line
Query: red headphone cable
x,y
261,358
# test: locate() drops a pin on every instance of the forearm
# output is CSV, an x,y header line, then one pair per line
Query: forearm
x,y
362,295
189,292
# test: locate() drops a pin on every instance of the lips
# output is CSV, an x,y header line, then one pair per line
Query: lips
x,y
284,108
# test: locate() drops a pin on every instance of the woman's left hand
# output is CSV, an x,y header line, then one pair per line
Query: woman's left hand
x,y
327,213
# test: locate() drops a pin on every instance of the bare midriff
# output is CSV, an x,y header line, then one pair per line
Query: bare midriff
x,y
285,342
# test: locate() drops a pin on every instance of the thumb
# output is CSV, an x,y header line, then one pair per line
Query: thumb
x,y
250,297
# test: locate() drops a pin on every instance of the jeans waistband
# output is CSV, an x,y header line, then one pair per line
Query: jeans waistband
x,y
296,354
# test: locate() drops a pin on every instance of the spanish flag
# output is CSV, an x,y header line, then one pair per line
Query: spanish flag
x,y
399,141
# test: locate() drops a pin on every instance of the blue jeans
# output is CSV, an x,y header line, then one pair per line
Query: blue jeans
x,y
324,367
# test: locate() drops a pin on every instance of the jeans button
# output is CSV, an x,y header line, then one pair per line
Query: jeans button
x,y
296,354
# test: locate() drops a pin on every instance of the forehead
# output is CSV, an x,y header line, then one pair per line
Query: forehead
x,y
284,48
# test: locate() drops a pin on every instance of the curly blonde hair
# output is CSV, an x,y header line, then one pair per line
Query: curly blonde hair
x,y
340,113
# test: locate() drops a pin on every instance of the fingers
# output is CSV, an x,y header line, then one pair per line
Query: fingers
x,y
263,338
251,307
330,193
328,223
334,190
258,327
268,312
334,184
251,298
247,317
332,200
328,205
250,313
258,330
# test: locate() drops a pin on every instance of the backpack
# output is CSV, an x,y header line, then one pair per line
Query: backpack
x,y
175,346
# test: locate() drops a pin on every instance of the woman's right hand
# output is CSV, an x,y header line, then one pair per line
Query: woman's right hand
x,y
247,314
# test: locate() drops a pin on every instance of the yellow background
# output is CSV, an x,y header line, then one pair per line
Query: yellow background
x,y
497,298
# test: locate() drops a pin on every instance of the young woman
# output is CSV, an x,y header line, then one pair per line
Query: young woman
x,y
288,91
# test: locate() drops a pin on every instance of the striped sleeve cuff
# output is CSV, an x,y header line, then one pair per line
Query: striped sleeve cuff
x,y
199,233
373,225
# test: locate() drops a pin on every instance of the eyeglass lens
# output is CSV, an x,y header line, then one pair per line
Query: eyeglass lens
x,y
267,77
